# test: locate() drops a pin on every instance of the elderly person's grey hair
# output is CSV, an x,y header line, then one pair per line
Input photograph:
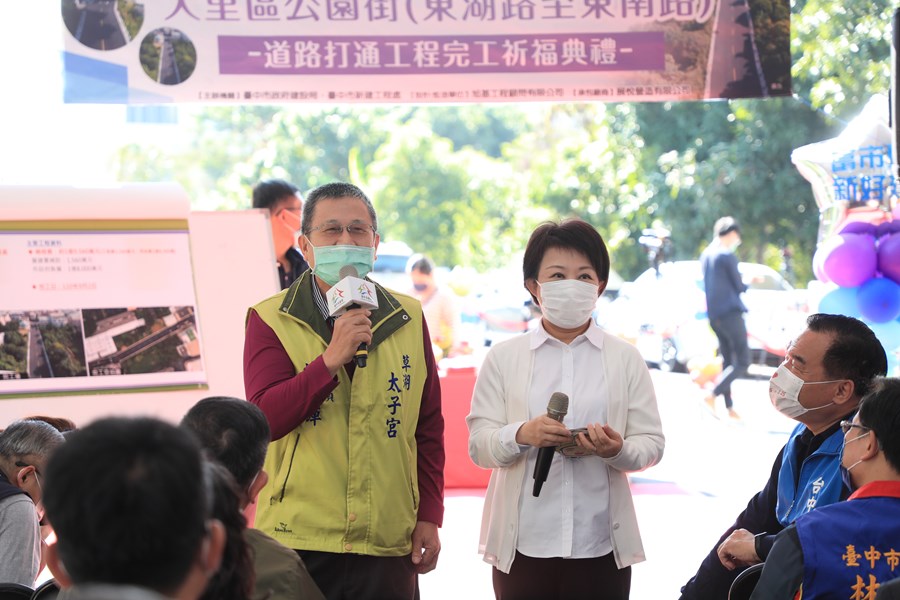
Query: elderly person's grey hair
x,y
27,438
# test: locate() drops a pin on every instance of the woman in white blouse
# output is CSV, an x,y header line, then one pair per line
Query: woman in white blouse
x,y
579,536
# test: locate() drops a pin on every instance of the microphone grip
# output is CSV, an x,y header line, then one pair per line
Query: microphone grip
x,y
362,355
541,468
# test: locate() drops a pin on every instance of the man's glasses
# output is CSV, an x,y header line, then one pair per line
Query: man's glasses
x,y
846,426
359,231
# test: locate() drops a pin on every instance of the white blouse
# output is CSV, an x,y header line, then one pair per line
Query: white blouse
x,y
570,517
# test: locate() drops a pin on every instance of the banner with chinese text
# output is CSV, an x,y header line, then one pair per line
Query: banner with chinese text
x,y
422,51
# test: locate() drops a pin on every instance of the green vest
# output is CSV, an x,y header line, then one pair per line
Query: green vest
x,y
345,480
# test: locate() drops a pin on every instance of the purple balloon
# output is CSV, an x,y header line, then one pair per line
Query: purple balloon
x,y
887,228
818,266
850,259
862,227
889,257
879,300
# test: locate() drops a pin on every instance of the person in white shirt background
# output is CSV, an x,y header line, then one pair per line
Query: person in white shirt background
x,y
579,537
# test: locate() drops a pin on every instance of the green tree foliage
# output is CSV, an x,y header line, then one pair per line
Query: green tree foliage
x,y
841,53
468,183
459,207
14,349
64,350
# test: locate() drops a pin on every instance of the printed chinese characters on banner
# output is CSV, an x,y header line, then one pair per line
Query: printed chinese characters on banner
x,y
419,51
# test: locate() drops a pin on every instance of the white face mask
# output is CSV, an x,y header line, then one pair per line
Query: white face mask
x,y
784,392
568,303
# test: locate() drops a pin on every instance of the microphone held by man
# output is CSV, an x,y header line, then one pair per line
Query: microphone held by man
x,y
556,410
348,293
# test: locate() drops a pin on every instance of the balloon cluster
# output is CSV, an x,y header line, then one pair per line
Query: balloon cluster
x,y
863,260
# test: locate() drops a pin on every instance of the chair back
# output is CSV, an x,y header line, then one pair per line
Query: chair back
x,y
744,584
889,590
46,591
15,591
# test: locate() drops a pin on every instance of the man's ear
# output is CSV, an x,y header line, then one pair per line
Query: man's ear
x,y
22,476
305,247
212,548
873,446
844,392
258,484
57,569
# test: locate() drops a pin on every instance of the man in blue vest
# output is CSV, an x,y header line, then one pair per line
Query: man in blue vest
x,y
828,369
848,549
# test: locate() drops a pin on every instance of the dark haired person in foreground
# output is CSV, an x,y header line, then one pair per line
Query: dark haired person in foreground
x,y
235,433
131,508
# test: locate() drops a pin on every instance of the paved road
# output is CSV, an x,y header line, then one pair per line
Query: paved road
x,y
732,69
37,357
710,469
168,67
99,27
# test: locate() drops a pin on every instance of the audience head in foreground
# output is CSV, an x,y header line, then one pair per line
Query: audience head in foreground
x,y
236,434
131,508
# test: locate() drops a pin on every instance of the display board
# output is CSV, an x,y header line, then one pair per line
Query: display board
x,y
232,263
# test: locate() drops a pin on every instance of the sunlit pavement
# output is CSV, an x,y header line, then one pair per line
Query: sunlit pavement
x,y
711,468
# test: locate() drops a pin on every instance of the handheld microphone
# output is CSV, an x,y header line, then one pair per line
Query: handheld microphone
x,y
556,410
348,293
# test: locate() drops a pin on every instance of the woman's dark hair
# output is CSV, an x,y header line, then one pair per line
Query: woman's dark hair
x,y
236,576
880,412
571,234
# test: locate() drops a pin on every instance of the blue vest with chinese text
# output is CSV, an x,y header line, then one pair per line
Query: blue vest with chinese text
x,y
850,548
819,483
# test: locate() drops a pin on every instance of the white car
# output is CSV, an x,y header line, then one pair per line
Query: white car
x,y
390,268
664,314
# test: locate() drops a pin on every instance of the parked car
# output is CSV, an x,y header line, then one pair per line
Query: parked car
x,y
390,266
503,308
663,313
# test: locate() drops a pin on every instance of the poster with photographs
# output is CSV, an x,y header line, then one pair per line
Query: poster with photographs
x,y
91,303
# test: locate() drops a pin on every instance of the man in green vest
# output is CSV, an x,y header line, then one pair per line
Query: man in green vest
x,y
356,459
